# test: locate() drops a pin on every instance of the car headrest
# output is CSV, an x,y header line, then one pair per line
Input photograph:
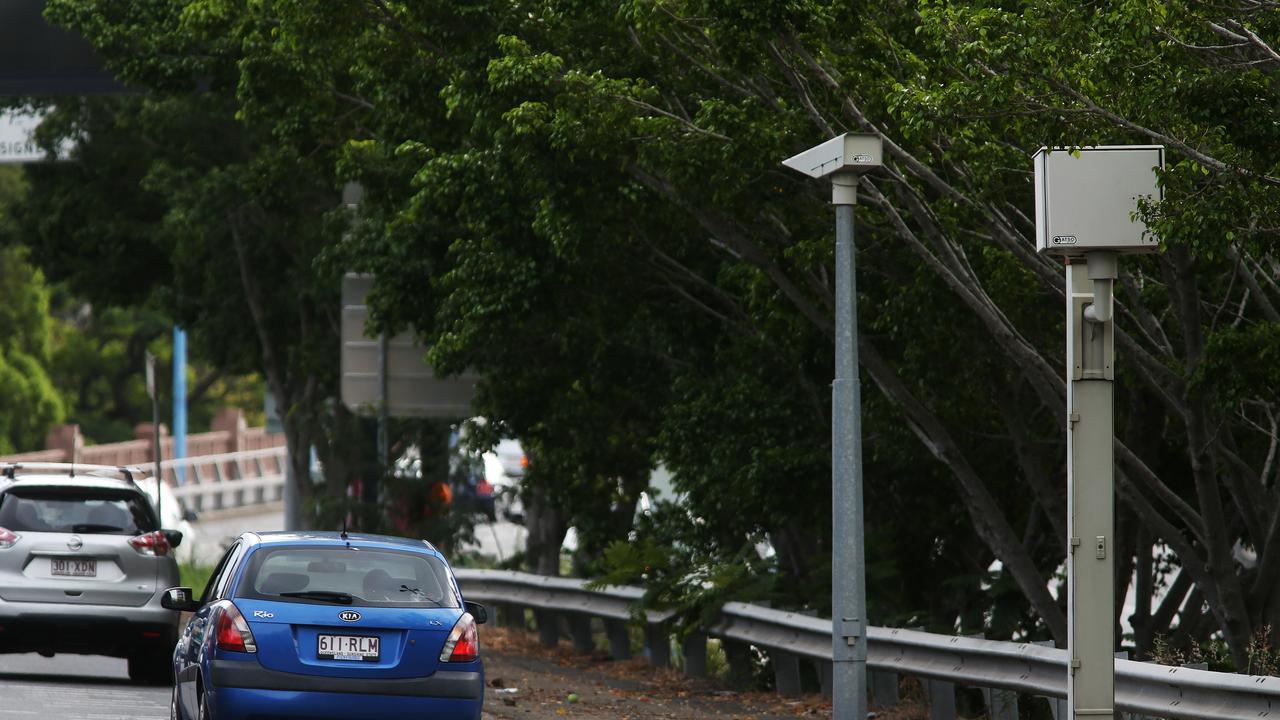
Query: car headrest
x,y
378,579
277,583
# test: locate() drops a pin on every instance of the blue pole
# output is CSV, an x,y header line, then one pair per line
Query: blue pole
x,y
179,397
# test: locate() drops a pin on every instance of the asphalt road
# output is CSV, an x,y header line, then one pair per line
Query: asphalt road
x,y
75,686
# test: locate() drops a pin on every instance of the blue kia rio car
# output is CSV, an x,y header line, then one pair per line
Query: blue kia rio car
x,y
328,626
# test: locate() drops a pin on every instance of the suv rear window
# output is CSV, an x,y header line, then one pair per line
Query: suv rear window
x,y
372,577
76,510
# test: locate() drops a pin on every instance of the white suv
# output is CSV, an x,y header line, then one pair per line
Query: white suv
x,y
83,565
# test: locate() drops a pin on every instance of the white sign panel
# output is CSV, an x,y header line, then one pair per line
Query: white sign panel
x,y
413,390
17,146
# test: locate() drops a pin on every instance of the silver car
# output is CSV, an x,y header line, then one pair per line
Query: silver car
x,y
83,565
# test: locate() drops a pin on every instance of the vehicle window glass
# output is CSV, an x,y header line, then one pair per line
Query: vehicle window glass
x,y
216,575
76,510
229,571
372,577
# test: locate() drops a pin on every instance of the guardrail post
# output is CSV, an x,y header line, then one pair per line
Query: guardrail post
x,y
884,688
580,628
619,639
786,672
1001,704
512,617
942,700
694,648
548,627
657,644
1057,706
739,657
825,673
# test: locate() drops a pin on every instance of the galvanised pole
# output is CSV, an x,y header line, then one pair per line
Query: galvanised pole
x,y
1091,486
848,569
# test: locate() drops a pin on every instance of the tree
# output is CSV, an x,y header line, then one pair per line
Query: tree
x,y
222,226
25,387
596,184
508,105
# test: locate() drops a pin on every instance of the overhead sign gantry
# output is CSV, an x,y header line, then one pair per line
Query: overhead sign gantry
x,y
37,58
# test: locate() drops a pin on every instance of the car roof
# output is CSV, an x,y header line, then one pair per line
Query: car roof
x,y
96,482
333,538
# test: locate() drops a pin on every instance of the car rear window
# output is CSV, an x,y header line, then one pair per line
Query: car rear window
x,y
373,577
76,510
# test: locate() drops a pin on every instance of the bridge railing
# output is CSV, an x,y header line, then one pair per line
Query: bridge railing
x,y
1003,670
228,480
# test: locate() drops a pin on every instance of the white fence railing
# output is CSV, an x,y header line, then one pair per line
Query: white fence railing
x,y
228,480
1004,670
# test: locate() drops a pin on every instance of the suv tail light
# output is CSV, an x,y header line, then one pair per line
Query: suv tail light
x,y
463,644
8,538
152,543
233,631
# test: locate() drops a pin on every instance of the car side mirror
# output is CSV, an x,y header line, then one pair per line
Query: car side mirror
x,y
190,516
478,611
173,536
179,598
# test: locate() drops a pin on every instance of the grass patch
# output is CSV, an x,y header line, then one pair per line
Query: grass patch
x,y
194,576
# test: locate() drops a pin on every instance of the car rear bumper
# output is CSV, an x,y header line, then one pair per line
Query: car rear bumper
x,y
254,704
89,629
444,684
243,690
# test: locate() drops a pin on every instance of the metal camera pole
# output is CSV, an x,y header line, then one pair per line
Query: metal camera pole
x,y
843,159
1086,210
1091,486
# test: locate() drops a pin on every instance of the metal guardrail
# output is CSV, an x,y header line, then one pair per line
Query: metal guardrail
x,y
227,480
1142,689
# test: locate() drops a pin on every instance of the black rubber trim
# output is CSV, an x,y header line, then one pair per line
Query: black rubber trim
x,y
251,675
188,673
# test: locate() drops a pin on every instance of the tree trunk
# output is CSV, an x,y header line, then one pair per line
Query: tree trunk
x,y
298,455
547,528
1143,586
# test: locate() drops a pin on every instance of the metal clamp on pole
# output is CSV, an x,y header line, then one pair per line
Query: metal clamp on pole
x,y
1103,272
844,188
852,630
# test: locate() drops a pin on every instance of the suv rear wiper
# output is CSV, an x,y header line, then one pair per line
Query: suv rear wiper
x,y
325,595
95,528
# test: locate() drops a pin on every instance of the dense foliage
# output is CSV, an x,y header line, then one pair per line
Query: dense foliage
x,y
582,200
66,360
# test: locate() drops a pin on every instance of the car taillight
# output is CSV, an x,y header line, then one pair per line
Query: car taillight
x,y
152,543
8,538
463,644
233,632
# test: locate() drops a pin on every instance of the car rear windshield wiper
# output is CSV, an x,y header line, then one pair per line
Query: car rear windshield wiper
x,y
420,595
95,528
325,595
